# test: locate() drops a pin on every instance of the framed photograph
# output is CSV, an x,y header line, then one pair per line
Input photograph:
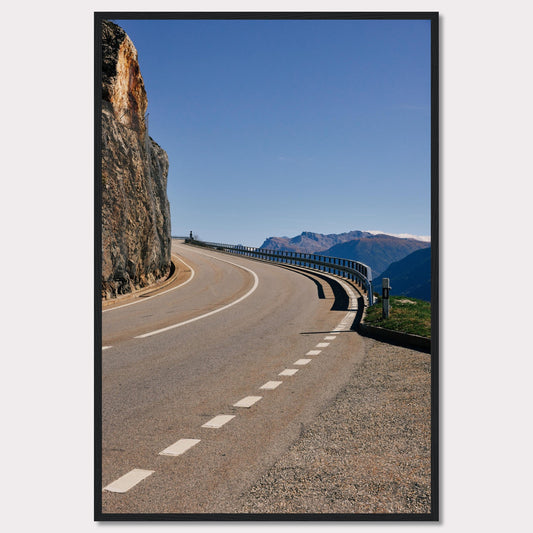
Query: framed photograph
x,y
266,272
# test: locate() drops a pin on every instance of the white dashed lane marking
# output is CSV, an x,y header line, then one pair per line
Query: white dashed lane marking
x,y
180,447
269,385
129,480
288,372
247,402
218,421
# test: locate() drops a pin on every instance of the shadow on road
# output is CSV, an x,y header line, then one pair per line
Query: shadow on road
x,y
319,287
341,302
341,299
359,314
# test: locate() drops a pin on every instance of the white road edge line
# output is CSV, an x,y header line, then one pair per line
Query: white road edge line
x,y
350,316
256,283
159,294
180,447
129,480
106,347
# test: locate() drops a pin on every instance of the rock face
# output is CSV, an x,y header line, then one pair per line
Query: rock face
x,y
135,210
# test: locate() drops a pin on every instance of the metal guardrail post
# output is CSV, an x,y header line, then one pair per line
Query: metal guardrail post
x,y
385,297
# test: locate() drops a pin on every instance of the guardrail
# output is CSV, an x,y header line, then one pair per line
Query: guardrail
x,y
345,268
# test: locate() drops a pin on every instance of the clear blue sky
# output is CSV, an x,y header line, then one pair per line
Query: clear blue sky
x,y
277,127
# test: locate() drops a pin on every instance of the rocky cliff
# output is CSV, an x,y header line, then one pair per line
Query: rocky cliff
x,y
135,209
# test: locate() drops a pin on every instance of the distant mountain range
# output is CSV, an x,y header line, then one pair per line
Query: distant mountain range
x,y
377,251
311,243
411,276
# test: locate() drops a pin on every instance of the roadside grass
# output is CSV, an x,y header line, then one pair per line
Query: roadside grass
x,y
408,315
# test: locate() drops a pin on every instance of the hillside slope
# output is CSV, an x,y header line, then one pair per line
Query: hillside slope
x,y
376,251
410,276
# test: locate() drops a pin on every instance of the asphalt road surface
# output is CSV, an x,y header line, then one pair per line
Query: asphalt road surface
x,y
175,362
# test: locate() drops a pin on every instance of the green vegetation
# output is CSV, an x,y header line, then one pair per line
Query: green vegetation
x,y
408,315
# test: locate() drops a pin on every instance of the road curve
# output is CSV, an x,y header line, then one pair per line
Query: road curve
x,y
162,390
215,284
184,274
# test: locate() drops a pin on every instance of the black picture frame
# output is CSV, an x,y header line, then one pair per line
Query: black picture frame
x,y
433,17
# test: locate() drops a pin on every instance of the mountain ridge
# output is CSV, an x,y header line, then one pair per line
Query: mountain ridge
x,y
410,276
375,250
267,243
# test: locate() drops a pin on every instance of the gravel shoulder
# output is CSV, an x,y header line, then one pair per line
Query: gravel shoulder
x,y
369,451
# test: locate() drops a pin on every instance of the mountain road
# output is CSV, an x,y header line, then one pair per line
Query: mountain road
x,y
206,385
